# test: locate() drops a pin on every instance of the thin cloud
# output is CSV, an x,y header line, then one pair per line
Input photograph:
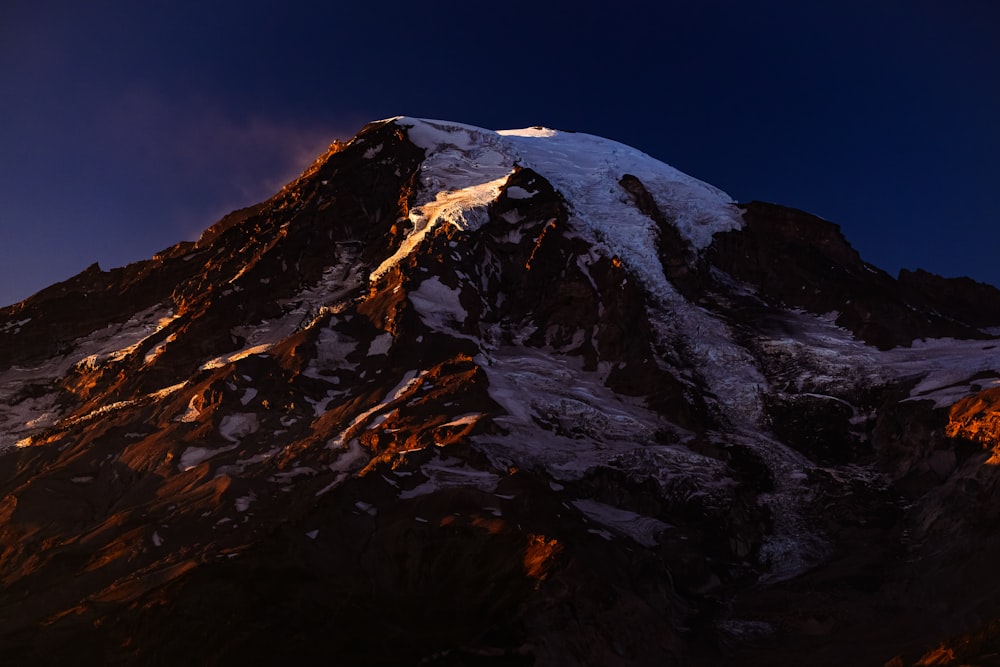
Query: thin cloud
x,y
231,161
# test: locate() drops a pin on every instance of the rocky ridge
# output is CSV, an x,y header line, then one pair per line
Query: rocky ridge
x,y
457,396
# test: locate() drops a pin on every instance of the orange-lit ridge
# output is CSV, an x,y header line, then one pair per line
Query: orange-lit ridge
x,y
540,555
977,418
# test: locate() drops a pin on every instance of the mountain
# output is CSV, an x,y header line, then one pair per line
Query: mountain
x,y
464,397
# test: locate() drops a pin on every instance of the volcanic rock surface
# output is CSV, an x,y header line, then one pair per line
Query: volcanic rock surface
x,y
463,397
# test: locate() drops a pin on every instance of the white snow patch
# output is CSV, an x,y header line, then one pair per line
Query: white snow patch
x,y
248,396
14,326
194,456
464,420
332,349
352,459
517,192
438,305
643,529
243,502
365,507
320,406
227,359
381,344
237,426
192,413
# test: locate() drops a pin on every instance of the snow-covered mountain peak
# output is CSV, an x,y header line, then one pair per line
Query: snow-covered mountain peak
x,y
465,167
480,393
581,164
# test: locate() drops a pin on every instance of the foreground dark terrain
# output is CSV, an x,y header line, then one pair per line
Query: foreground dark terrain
x,y
458,397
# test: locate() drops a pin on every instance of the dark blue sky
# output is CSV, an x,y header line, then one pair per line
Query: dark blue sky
x,y
126,127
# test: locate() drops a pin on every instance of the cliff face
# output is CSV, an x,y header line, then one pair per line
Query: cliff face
x,y
464,397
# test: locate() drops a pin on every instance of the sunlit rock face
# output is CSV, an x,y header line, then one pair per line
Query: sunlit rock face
x,y
977,418
457,396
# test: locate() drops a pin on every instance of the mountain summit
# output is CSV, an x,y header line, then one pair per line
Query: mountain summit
x,y
464,397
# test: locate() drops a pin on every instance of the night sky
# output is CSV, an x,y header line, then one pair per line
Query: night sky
x,y
127,127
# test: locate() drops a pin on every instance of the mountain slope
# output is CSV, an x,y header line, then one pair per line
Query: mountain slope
x,y
457,396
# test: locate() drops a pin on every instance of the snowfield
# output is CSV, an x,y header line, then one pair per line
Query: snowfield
x,y
465,167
